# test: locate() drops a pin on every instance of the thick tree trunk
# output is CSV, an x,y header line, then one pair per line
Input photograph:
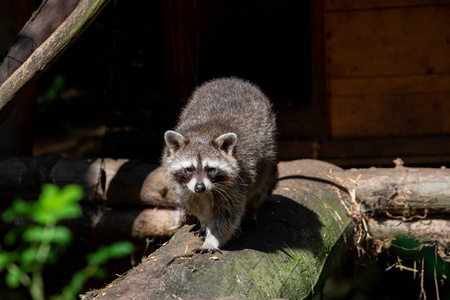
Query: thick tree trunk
x,y
301,235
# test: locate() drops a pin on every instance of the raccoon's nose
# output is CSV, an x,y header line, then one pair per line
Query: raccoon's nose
x,y
199,187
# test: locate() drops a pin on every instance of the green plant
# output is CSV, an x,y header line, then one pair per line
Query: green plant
x,y
27,248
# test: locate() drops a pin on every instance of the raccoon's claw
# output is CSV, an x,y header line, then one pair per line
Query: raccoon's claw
x,y
199,233
197,230
204,250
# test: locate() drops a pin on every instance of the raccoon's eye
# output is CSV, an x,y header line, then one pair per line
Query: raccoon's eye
x,y
188,170
211,171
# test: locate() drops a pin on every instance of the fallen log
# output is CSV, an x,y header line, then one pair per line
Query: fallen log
x,y
105,180
400,191
400,202
302,234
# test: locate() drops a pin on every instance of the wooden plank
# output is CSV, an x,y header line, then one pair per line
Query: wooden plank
x,y
437,161
380,116
318,114
414,84
372,151
388,42
340,5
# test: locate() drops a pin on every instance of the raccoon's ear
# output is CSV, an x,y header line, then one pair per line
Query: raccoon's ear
x,y
174,140
226,142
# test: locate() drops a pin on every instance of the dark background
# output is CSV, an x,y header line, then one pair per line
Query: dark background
x,y
129,74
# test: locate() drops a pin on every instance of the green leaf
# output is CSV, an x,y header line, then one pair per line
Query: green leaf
x,y
62,236
72,193
76,285
120,249
48,194
59,235
43,217
18,208
21,207
55,205
68,212
13,277
99,257
5,259
33,234
101,273
28,257
116,250
52,257
12,235
8,216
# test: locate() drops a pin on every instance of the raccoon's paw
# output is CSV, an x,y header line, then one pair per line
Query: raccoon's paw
x,y
207,250
211,245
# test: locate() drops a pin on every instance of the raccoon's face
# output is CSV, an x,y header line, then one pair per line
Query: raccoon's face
x,y
200,176
199,167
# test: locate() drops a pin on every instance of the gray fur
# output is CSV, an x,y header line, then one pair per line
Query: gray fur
x,y
230,122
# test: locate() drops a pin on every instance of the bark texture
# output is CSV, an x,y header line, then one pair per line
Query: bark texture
x,y
119,181
44,38
302,234
400,202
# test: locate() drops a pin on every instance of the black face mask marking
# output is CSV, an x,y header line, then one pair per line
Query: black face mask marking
x,y
184,175
199,173
215,175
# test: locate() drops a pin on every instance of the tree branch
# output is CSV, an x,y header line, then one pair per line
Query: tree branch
x,y
51,48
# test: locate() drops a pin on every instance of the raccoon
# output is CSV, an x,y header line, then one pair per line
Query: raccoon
x,y
220,160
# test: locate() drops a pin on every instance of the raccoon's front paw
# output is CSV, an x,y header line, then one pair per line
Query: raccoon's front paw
x,y
211,245
207,250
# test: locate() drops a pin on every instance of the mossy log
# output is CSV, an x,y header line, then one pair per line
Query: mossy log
x,y
301,235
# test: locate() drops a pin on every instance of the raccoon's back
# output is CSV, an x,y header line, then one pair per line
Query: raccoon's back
x,y
232,105
229,105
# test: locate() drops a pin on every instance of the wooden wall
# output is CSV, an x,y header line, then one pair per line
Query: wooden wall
x,y
388,68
